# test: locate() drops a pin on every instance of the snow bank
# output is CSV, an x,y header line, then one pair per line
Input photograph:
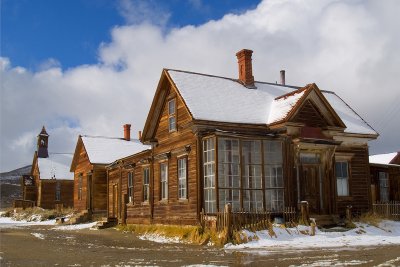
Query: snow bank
x,y
387,233
160,238
75,226
8,222
38,235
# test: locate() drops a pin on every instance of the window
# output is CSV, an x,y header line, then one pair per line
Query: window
x,y
384,186
252,180
182,178
80,177
130,186
58,191
209,175
273,176
164,180
342,178
146,184
172,115
229,173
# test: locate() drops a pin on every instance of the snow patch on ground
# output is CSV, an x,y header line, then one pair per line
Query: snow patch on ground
x,y
387,233
38,235
8,222
75,226
159,238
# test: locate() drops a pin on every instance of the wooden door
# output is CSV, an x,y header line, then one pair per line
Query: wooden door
x,y
89,203
310,187
115,201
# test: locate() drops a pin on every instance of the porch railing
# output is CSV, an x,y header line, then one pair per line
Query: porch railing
x,y
389,210
236,220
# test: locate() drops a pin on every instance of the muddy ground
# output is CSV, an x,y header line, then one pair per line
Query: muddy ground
x,y
43,246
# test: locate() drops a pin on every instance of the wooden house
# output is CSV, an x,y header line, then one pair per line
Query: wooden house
x,y
50,183
259,146
385,177
92,154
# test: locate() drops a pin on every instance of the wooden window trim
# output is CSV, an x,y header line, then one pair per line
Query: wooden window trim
x,y
145,201
166,181
132,197
349,195
174,115
187,176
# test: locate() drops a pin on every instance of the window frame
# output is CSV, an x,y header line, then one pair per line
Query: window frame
x,y
131,186
342,178
172,116
58,191
386,187
185,183
146,186
163,181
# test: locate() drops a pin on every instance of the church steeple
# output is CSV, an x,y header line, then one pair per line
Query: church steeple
x,y
42,144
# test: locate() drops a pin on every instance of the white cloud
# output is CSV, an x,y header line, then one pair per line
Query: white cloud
x,y
143,11
345,46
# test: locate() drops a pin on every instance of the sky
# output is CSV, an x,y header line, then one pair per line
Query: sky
x,y
90,66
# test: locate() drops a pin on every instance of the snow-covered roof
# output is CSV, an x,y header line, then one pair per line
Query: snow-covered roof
x,y
105,150
223,99
382,158
56,166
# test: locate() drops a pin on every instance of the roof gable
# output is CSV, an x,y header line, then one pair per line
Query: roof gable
x,y
220,99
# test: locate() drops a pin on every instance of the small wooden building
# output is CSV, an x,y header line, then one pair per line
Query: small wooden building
x,y
259,146
50,183
385,177
92,154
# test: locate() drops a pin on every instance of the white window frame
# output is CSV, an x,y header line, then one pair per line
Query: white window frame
x,y
146,184
164,180
209,189
130,186
342,182
273,175
182,178
172,115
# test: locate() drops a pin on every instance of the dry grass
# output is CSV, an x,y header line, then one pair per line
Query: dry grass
x,y
370,218
186,234
35,214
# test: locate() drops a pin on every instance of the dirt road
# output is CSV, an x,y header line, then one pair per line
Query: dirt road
x,y
43,246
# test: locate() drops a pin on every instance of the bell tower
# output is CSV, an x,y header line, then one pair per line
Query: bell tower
x,y
42,144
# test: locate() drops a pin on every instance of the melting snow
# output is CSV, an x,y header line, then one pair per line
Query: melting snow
x,y
382,158
38,235
75,226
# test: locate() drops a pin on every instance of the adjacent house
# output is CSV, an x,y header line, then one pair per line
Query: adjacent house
x,y
259,146
385,177
50,183
92,155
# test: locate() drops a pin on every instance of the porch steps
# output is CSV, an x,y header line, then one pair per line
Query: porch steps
x,y
106,223
81,217
325,220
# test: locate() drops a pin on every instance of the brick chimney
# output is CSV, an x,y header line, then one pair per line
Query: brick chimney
x,y
283,77
127,132
245,68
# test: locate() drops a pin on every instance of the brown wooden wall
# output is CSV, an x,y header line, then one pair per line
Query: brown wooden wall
x,y
359,183
394,181
174,210
83,167
48,193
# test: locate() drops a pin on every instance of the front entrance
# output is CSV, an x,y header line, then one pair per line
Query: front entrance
x,y
310,189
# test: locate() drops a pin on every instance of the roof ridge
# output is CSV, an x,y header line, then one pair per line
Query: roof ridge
x,y
233,79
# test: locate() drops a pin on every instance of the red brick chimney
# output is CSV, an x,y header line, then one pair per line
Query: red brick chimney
x,y
245,68
127,132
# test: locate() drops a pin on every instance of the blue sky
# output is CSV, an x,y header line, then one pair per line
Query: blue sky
x,y
90,66
71,31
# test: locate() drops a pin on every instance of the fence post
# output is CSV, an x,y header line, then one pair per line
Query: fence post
x,y
228,216
348,213
304,212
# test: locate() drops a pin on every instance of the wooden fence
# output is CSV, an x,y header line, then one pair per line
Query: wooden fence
x,y
390,210
228,220
20,203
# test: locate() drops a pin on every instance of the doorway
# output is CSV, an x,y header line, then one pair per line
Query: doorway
x,y
310,189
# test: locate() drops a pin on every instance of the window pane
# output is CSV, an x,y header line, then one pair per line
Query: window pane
x,y
209,175
342,178
182,178
171,107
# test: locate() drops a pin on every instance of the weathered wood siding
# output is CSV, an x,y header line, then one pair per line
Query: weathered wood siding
x,y
310,115
359,182
83,167
174,210
394,181
48,193
99,189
